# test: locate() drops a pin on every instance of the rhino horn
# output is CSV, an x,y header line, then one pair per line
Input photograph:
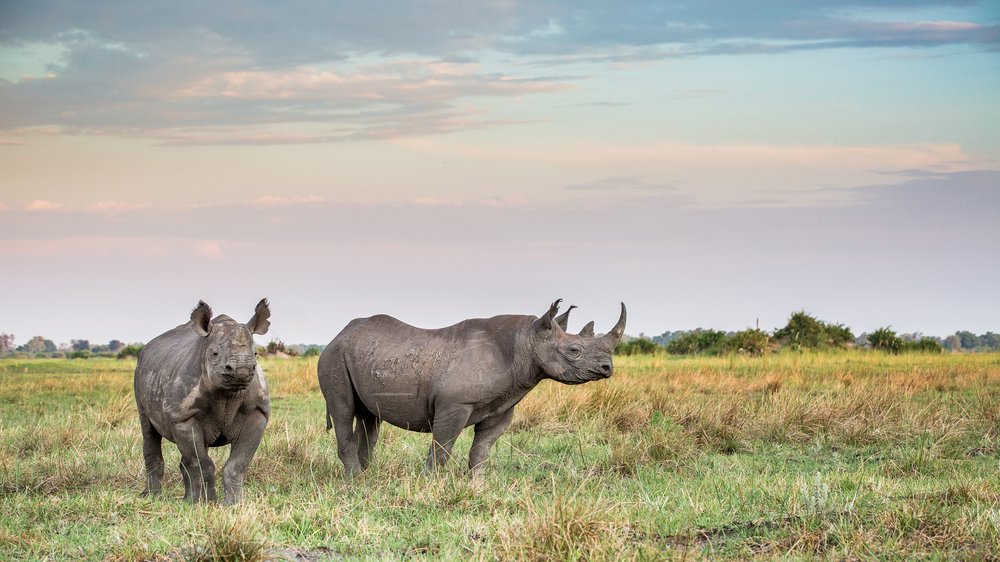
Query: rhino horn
x,y
616,333
563,319
201,318
260,323
588,329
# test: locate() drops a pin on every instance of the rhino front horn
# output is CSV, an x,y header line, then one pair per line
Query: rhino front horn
x,y
619,329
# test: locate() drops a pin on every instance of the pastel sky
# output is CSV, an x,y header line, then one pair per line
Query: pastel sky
x,y
713,164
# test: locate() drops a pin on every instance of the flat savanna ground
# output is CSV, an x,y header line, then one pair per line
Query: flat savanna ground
x,y
795,455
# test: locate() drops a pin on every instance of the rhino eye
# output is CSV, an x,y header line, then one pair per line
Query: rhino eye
x,y
574,350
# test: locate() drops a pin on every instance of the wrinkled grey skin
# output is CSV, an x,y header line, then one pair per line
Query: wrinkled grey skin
x,y
199,385
442,381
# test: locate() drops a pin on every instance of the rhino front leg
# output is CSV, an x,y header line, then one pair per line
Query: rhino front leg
x,y
152,453
487,433
196,466
447,425
240,454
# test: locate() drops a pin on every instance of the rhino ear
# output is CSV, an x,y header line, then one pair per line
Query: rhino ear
x,y
260,323
546,321
588,330
201,318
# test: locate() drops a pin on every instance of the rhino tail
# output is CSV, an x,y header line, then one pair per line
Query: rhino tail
x,y
329,418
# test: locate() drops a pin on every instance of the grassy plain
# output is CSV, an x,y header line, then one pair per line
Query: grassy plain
x,y
837,455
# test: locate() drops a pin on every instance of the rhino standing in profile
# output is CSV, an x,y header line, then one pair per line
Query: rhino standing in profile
x,y
442,381
199,385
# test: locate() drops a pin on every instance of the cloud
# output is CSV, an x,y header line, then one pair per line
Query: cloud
x,y
397,81
621,183
278,201
106,245
355,68
41,205
201,104
210,249
116,206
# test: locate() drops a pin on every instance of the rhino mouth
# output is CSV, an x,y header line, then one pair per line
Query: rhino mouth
x,y
596,374
238,379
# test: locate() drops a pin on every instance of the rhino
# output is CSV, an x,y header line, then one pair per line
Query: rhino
x,y
200,386
441,381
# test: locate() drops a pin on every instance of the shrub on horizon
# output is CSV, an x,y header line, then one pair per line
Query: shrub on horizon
x,y
885,339
637,346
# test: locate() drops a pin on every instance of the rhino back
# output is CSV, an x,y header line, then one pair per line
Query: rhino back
x,y
167,374
399,371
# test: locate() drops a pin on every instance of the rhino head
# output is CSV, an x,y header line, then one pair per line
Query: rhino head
x,y
574,358
230,356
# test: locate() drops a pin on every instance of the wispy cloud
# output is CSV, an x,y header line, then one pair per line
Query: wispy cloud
x,y
41,205
116,206
398,81
280,201
354,68
622,183
210,249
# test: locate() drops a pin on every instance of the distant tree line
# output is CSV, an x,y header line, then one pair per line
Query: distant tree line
x,y
279,348
40,346
803,331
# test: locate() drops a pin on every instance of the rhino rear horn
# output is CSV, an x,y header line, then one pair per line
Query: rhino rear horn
x,y
201,318
563,319
588,330
616,333
260,323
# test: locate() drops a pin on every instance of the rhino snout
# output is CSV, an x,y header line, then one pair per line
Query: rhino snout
x,y
602,370
239,371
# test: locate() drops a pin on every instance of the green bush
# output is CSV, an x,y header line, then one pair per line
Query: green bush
x,y
885,339
637,346
697,341
926,345
751,341
130,350
805,331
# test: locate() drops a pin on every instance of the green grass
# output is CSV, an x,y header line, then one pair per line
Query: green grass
x,y
833,455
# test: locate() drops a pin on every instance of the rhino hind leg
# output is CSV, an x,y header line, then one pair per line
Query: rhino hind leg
x,y
487,433
152,453
365,433
341,408
340,411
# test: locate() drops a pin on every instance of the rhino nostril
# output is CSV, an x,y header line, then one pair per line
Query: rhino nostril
x,y
229,368
606,367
